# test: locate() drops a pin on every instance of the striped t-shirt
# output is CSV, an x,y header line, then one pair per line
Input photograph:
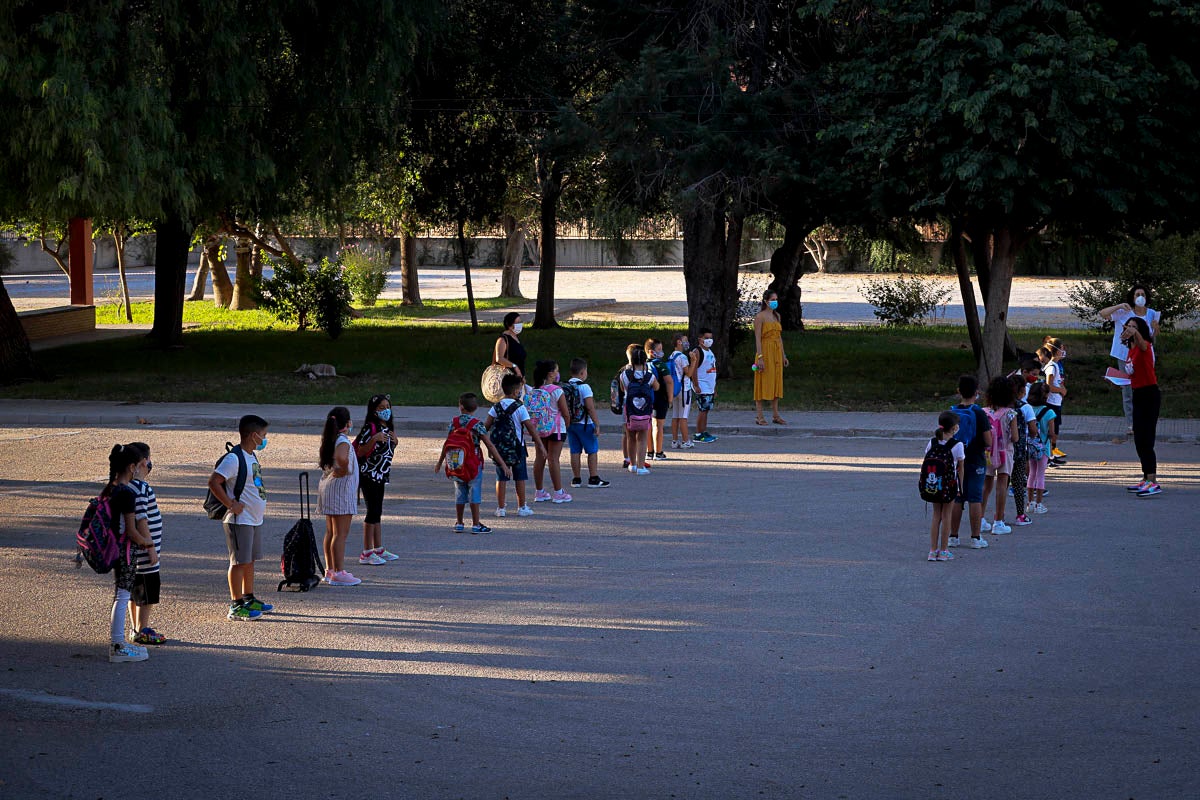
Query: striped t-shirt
x,y
146,507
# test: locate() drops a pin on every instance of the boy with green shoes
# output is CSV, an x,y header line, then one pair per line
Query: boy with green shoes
x,y
704,368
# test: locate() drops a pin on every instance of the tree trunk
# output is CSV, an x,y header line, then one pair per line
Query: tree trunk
x,y
1005,247
410,287
984,250
967,289
466,265
550,182
173,243
200,280
16,357
243,287
514,256
709,273
64,246
119,247
256,263
787,267
222,285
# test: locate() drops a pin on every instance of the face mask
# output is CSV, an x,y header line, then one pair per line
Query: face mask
x,y
1140,301
706,342
1031,379
384,414
518,326
773,304
684,345
262,445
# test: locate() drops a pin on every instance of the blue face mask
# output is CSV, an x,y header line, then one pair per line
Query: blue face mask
x,y
262,445
384,414
773,304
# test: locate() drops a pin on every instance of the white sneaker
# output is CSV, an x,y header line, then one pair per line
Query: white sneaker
x,y
500,511
999,527
525,511
952,541
372,559
675,445
688,445
984,525
121,652
1039,508
979,543
642,471
344,578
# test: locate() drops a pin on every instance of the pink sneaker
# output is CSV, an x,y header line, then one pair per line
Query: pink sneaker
x,y
1022,521
561,496
541,496
344,578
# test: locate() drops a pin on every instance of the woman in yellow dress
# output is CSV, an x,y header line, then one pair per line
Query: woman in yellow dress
x,y
769,359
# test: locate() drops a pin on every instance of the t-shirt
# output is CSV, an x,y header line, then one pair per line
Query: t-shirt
x,y
122,500
519,417
377,466
975,447
254,495
679,362
1119,351
585,392
1043,424
1142,362
957,451
1054,377
1025,411
706,372
146,507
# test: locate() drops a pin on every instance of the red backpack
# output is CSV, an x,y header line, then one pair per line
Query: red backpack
x,y
461,454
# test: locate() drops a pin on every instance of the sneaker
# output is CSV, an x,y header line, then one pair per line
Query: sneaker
x,y
541,496
458,528
984,525
1058,461
120,652
371,558
952,542
561,496
1010,491
1040,508
1137,487
386,556
632,468
149,636
660,456
945,555
525,511
241,613
932,556
344,578
642,471
596,482
254,604
697,437
1058,453
624,463
999,527
675,445
327,577
708,438
980,543
481,528
500,511
576,483
687,445
1022,520
1150,490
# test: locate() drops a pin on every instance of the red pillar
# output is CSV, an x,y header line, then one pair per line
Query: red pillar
x,y
81,261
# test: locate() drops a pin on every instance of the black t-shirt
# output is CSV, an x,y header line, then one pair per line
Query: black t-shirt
x,y
975,448
121,501
516,352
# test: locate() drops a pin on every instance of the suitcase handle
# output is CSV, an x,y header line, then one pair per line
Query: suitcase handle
x,y
305,494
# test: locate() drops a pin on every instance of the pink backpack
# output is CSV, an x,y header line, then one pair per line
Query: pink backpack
x,y
1000,442
544,409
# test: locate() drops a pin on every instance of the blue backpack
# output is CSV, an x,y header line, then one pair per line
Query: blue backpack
x,y
966,424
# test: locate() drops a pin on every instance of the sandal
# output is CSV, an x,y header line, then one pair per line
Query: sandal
x,y
760,421
779,421
149,636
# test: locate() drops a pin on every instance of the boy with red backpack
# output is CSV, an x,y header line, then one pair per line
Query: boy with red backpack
x,y
464,461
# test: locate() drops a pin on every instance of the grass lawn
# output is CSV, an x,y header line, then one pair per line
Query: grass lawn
x,y
250,356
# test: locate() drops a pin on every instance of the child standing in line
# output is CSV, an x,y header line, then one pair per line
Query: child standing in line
x,y
583,432
506,422
975,433
122,502
471,492
1050,354
1003,422
146,581
638,385
618,405
244,518
1026,428
939,528
681,392
704,367
374,448
337,494
549,412
662,400
1039,455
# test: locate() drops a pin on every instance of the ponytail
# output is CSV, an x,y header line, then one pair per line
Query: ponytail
x,y
120,458
334,422
946,422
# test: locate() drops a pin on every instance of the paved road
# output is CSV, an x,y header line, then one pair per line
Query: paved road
x,y
755,620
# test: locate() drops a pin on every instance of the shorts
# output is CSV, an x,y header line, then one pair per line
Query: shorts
x,y
705,402
244,543
681,405
372,493
662,404
145,589
1002,469
973,476
582,438
554,437
469,492
520,471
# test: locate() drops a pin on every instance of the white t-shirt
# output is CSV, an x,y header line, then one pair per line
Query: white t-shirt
x,y
1027,415
706,372
1053,373
680,362
254,496
520,416
958,451
1119,318
585,391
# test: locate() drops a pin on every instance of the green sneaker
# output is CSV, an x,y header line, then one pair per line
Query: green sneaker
x,y
253,603
240,612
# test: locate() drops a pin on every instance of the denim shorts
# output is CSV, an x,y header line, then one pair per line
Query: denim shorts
x,y
520,471
582,438
973,475
469,492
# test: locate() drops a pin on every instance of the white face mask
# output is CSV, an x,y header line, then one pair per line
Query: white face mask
x,y
706,342
1140,301
517,326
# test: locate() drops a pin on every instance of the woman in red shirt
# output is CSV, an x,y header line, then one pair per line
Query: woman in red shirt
x,y
1147,401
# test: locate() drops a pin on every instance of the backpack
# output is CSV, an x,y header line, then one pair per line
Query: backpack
x,y
1000,437
939,479
966,424
678,372
543,409
1021,447
1039,448
616,397
214,507
462,456
639,401
97,539
301,560
575,406
504,433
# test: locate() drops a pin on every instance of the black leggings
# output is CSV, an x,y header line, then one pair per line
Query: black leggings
x,y
1019,480
1147,402
372,493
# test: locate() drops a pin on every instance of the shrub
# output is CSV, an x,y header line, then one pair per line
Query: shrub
x,y
316,297
750,290
366,273
1166,266
905,300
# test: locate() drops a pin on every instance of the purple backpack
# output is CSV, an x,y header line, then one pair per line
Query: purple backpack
x,y
98,541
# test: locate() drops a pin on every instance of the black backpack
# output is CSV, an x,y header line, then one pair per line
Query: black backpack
x,y
504,433
301,561
575,406
939,478
214,507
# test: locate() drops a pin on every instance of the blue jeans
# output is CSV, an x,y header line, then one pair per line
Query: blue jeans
x,y
469,492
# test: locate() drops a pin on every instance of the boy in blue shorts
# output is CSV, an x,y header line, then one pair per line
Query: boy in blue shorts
x,y
505,422
471,493
975,433
583,430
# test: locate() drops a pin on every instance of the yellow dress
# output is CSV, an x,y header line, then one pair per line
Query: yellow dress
x,y
768,381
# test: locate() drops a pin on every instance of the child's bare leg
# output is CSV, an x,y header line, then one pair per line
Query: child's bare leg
x,y
520,492
576,458
988,482
458,513
539,467
554,452
500,491
935,526
474,514
593,462
1001,494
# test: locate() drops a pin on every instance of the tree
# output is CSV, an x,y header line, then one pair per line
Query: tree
x,y
121,231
